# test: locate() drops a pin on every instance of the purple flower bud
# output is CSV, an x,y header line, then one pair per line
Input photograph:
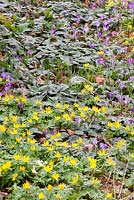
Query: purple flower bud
x,y
1,94
127,100
131,78
95,141
20,105
121,85
45,132
103,145
53,30
132,109
130,5
111,95
120,98
130,61
30,52
86,148
100,61
54,131
78,120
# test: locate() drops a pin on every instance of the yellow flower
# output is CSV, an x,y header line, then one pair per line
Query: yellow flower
x,y
46,143
14,176
16,126
86,65
82,115
51,162
41,195
103,109
23,99
66,106
76,105
0,141
22,168
50,148
109,124
95,181
72,114
58,134
57,155
1,79
26,185
96,109
88,88
14,132
101,52
2,128
66,159
102,152
57,118
30,120
61,186
117,124
29,132
130,26
127,127
96,98
18,139
74,145
6,165
120,144
16,157
109,195
0,170
32,148
55,176
79,140
25,159
92,162
86,108
49,187
132,133
48,168
73,162
66,117
38,102
58,196
64,144
75,179
110,3
58,105
14,118
111,162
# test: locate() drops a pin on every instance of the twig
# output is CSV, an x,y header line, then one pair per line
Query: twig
x,y
123,180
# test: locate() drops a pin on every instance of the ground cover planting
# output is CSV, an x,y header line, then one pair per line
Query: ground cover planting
x,y
66,100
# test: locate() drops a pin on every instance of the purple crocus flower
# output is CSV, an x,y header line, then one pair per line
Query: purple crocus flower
x,y
131,78
91,45
1,94
86,148
78,120
121,85
103,145
77,19
54,131
127,101
45,132
99,35
111,95
100,61
53,30
132,109
95,141
120,98
30,52
131,121
130,61
20,105
130,5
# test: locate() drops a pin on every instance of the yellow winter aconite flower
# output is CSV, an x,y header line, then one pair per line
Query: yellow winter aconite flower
x,y
66,106
117,124
101,52
95,181
38,102
109,124
82,115
14,118
76,105
102,152
57,155
96,109
132,133
0,141
14,176
127,127
61,186
6,165
64,144
17,157
2,128
86,65
96,98
79,140
23,99
25,159
92,162
51,162
66,117
88,88
48,168
26,185
22,168
58,105
73,162
75,179
18,139
110,3
32,148
57,118
103,109
49,187
109,195
130,26
50,148
46,143
55,176
41,195
120,144
111,162
58,196
65,159
16,126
